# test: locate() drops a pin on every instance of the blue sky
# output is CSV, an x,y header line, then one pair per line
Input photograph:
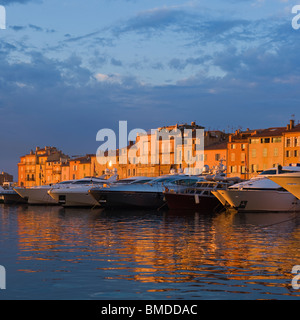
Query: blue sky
x,y
70,68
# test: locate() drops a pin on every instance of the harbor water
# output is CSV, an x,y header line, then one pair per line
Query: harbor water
x,y
50,252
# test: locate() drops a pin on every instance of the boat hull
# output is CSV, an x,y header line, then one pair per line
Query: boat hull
x,y
219,196
195,202
260,200
291,184
73,199
13,198
36,196
128,199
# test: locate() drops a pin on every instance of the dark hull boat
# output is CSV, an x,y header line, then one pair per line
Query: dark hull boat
x,y
148,195
11,197
198,198
128,199
193,202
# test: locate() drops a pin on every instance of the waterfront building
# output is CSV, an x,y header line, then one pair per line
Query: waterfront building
x,y
40,167
162,151
215,153
266,149
292,144
238,154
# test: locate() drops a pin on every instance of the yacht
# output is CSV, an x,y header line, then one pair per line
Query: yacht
x,y
288,181
142,195
260,194
9,196
76,194
39,194
199,198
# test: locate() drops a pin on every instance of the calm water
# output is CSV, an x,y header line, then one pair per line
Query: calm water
x,y
57,253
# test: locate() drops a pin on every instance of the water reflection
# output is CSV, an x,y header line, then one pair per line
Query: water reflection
x,y
194,254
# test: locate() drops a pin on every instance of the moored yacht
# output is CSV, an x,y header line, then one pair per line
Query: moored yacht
x,y
142,195
260,194
198,198
9,196
76,194
39,194
288,181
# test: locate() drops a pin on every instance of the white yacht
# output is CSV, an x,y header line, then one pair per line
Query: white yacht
x,y
142,195
39,194
288,181
260,194
76,194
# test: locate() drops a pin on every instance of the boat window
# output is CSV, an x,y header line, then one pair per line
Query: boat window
x,y
141,181
83,182
125,181
268,172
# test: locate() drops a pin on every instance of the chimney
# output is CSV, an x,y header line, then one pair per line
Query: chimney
x,y
292,124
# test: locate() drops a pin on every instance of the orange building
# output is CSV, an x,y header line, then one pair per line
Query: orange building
x,y
292,144
266,149
40,167
162,151
238,154
215,153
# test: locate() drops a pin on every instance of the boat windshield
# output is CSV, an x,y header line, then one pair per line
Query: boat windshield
x,y
274,171
162,180
141,181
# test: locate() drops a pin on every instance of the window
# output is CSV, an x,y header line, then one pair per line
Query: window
x,y
287,154
265,140
265,152
276,139
254,140
288,142
217,157
295,153
243,146
295,142
233,146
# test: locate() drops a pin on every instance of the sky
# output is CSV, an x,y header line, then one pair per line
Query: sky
x,y
70,68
